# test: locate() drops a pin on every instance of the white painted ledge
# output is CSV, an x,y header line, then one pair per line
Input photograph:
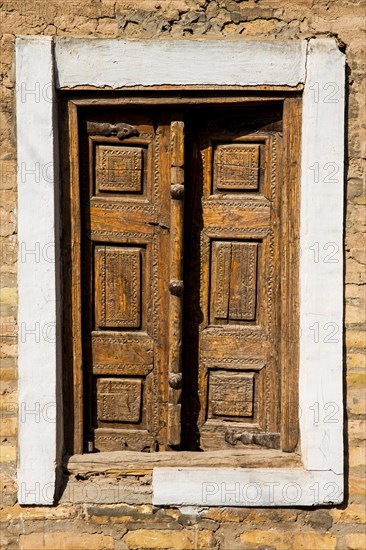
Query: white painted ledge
x,y
320,66
245,487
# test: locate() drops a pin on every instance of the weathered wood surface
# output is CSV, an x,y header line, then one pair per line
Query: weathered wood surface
x,y
129,461
74,298
128,240
236,221
119,236
176,285
290,253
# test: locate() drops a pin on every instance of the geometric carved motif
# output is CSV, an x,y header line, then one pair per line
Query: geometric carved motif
x,y
231,393
117,286
234,280
236,167
119,400
119,169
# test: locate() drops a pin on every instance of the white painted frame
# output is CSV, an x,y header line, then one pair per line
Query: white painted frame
x,y
44,64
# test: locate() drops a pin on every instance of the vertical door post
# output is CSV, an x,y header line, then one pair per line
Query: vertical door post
x,y
176,283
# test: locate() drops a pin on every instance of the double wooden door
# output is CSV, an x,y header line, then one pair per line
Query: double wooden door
x,y
180,276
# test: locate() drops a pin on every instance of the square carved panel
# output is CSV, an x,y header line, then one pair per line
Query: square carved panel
x,y
119,400
236,167
119,169
231,394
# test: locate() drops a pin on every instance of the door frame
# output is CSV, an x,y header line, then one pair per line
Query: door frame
x,y
316,65
74,406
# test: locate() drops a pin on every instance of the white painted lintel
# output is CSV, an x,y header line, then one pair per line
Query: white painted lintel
x,y
121,63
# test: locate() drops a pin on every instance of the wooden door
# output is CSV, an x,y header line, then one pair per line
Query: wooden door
x,y
131,170
231,372
200,356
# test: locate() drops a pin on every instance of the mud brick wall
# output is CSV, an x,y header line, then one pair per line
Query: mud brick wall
x,y
89,525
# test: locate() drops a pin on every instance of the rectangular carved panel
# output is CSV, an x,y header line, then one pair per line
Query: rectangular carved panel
x,y
243,281
231,394
236,167
118,169
126,353
117,287
119,400
234,281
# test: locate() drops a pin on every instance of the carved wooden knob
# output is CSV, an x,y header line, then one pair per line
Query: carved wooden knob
x,y
176,288
122,130
175,381
177,192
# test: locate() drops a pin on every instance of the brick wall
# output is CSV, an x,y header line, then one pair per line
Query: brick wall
x,y
139,526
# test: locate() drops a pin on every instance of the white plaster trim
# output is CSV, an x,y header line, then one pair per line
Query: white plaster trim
x,y
321,281
118,63
245,487
319,65
38,321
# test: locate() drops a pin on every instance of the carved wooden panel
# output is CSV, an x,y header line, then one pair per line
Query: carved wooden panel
x,y
164,221
122,353
117,288
236,167
234,281
119,400
235,240
118,168
231,394
121,313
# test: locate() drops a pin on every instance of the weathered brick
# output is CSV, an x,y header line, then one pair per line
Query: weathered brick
x,y
121,514
222,515
356,339
8,327
34,513
8,374
8,174
356,484
354,513
356,313
8,490
319,520
8,397
271,516
107,27
179,540
357,429
356,400
356,541
356,360
357,456
355,273
59,540
356,380
9,425
8,453
282,540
